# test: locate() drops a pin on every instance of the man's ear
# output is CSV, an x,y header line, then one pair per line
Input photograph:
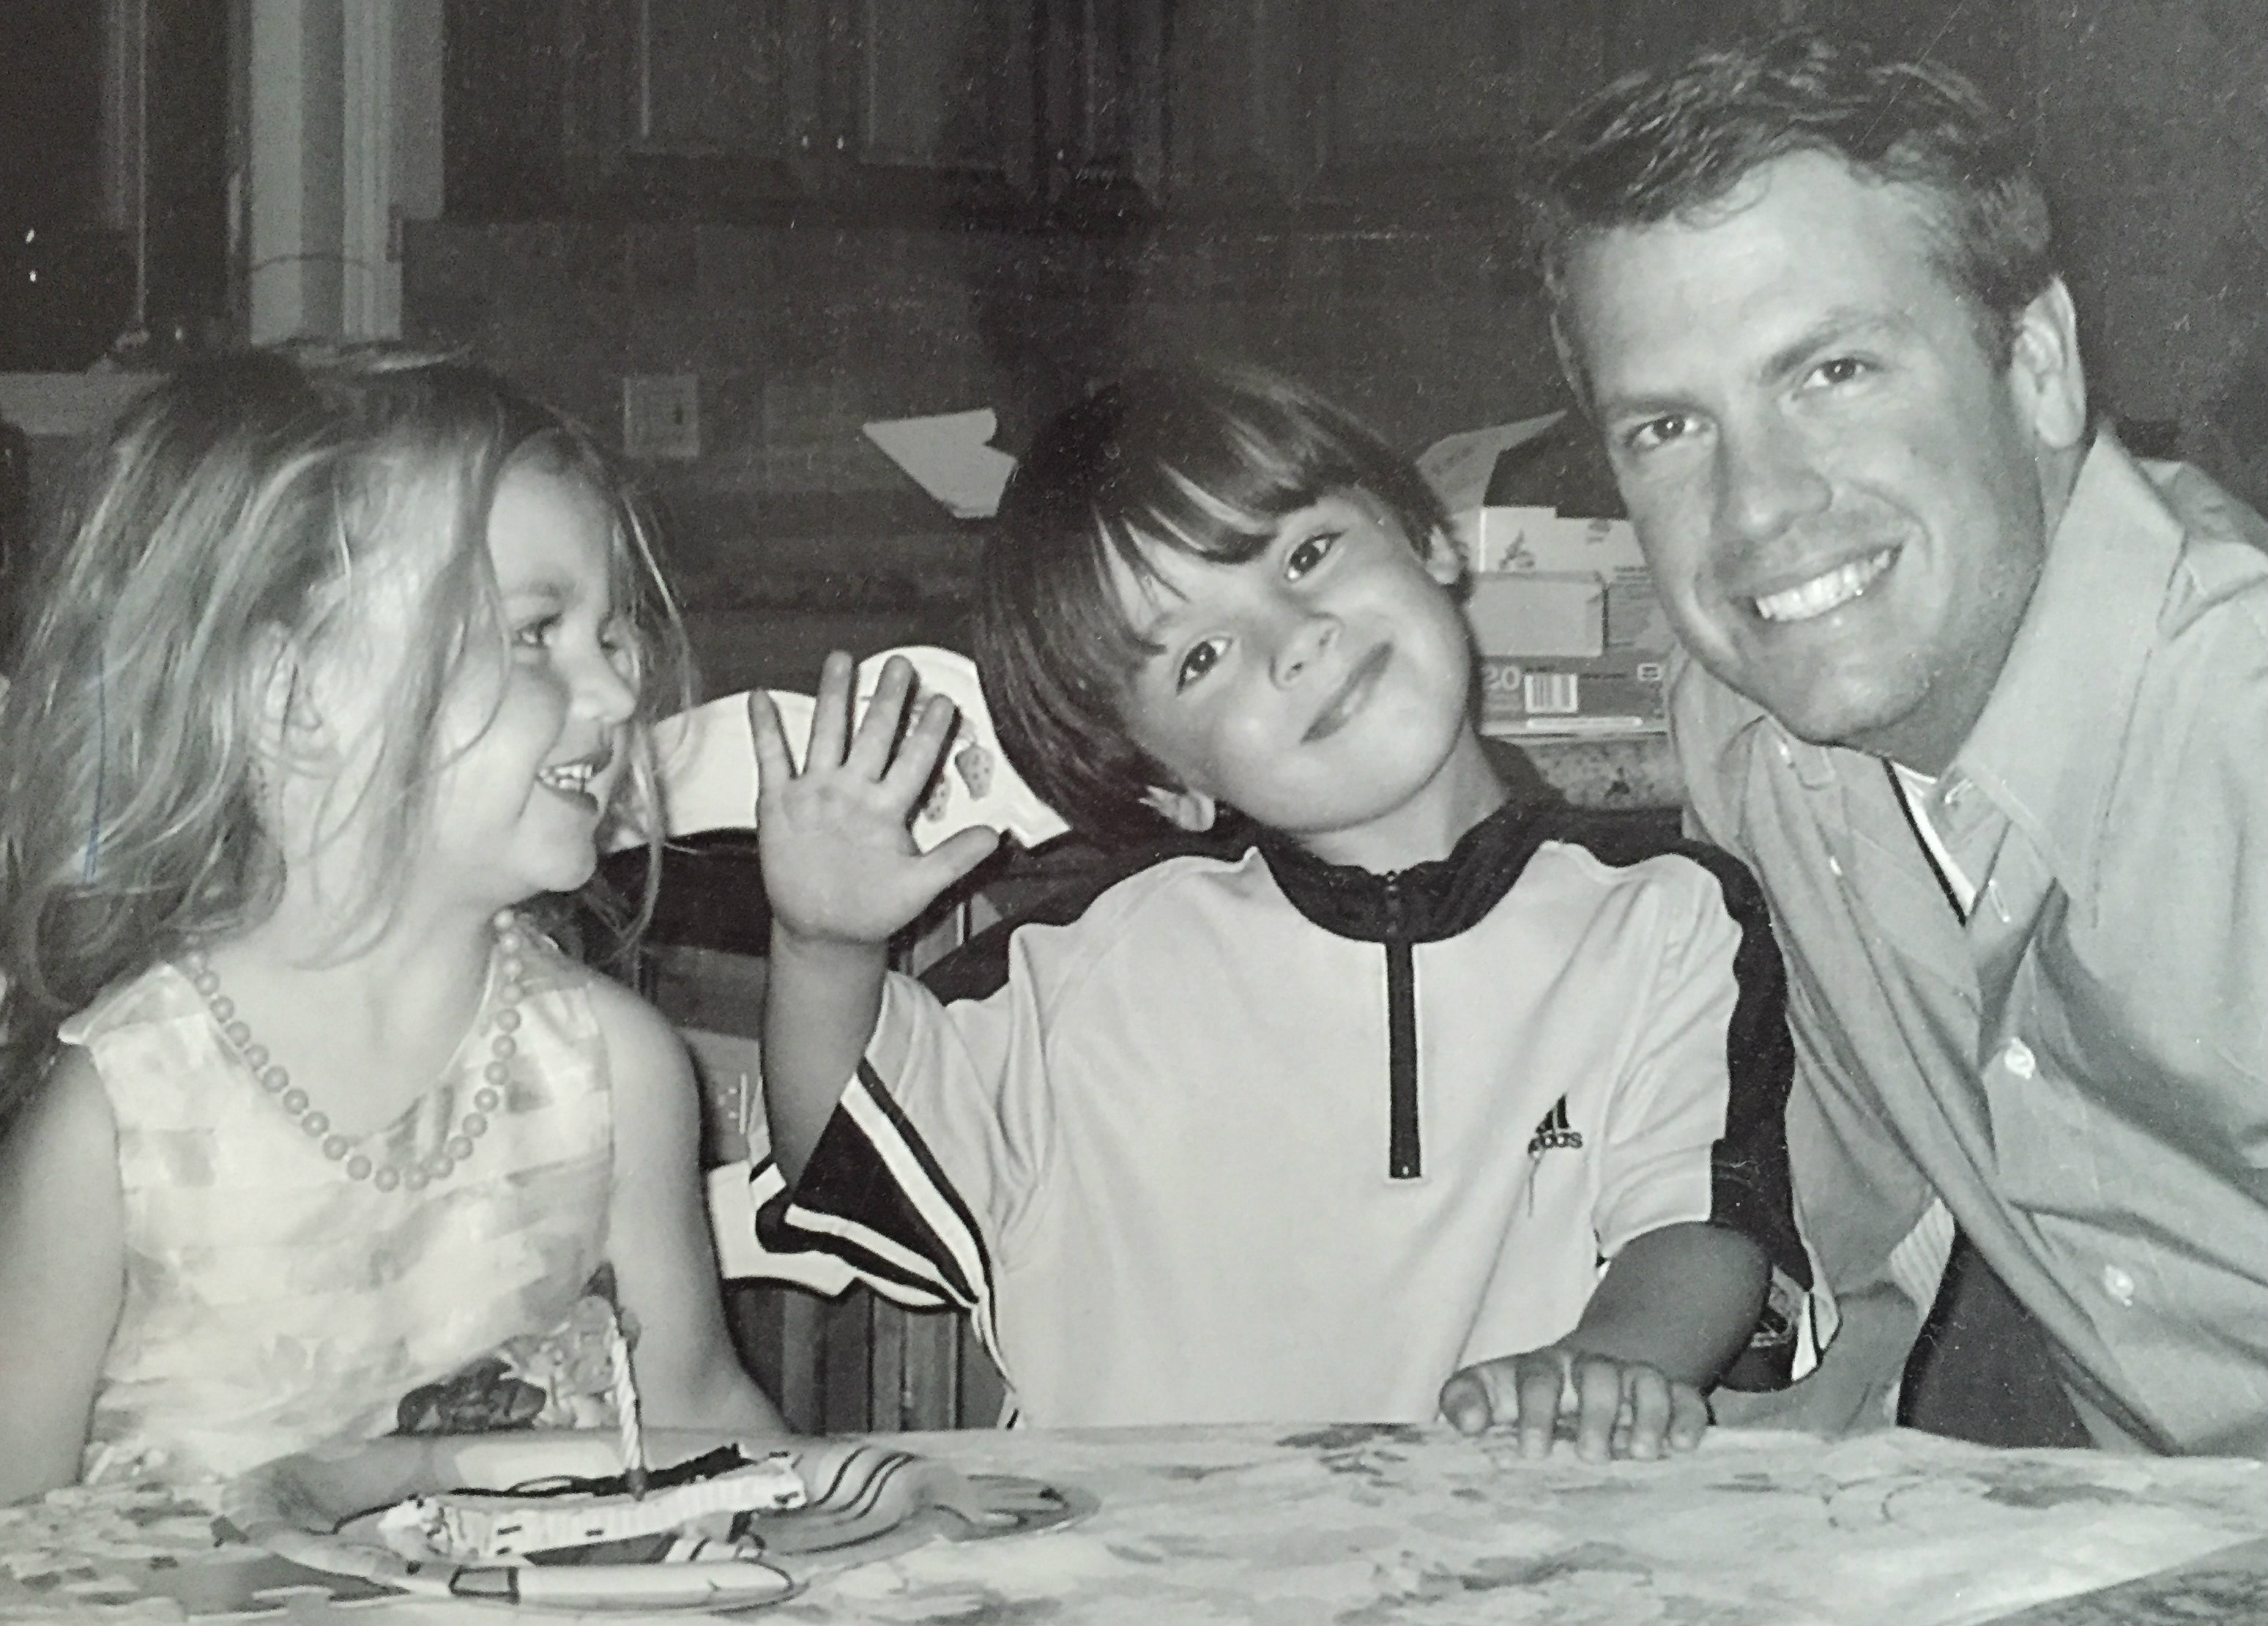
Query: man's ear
x,y
1193,811
2045,369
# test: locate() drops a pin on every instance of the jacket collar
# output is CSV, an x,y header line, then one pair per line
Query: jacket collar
x,y
1425,902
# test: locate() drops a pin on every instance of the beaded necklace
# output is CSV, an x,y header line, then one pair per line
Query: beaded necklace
x,y
295,1103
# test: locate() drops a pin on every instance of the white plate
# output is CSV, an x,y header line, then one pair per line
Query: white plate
x,y
866,1502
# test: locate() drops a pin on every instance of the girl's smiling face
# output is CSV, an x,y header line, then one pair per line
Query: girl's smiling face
x,y
532,736
1319,686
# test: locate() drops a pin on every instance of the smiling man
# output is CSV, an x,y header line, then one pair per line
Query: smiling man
x,y
1984,701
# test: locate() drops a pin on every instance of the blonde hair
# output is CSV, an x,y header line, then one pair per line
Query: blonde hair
x,y
240,508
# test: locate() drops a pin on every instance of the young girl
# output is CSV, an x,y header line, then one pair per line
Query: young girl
x,y
344,663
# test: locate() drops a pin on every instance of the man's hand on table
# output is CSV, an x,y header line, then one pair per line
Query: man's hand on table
x,y
1612,1407
1854,1387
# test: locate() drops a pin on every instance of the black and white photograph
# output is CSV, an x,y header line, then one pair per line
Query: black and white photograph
x,y
1320,813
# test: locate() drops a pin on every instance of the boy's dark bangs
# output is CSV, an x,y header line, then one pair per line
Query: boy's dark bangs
x,y
1220,493
1090,618
1214,491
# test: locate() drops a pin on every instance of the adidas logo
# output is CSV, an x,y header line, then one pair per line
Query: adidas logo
x,y
1553,1135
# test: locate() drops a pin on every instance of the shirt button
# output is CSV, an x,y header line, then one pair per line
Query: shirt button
x,y
2019,1059
2118,1284
1834,864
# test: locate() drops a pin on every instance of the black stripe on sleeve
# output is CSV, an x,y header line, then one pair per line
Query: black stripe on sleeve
x,y
776,1230
1750,1187
849,1177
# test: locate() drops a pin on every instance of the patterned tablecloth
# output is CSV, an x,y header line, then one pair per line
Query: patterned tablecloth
x,y
1354,1525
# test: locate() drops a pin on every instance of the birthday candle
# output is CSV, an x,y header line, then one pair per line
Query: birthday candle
x,y
626,1410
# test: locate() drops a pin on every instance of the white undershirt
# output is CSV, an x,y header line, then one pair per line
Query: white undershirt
x,y
1917,788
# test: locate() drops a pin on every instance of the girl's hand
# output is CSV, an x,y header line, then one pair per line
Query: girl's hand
x,y
840,863
1612,1408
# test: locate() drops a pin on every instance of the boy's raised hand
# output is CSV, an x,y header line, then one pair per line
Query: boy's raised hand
x,y
1615,1408
839,859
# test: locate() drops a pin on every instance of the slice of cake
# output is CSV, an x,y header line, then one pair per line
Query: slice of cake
x,y
474,1527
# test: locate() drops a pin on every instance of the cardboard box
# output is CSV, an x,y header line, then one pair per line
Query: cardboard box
x,y
1543,539
1538,613
1634,616
1620,691
1540,542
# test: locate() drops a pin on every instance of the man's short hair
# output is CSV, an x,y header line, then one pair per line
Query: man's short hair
x,y
1201,460
1657,144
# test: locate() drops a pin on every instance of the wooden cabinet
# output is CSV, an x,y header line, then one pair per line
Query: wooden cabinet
x,y
756,100
1400,108
1994,46
912,110
859,1363
1102,103
1399,105
1241,127
888,109
652,95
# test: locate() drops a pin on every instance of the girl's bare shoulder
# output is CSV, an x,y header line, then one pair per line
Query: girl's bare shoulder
x,y
639,1039
59,1159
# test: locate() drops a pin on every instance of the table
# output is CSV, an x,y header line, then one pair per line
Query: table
x,y
1357,1524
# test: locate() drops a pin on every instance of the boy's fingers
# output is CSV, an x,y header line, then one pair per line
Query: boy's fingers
x,y
1688,1416
877,736
830,714
959,853
1599,1405
1647,1402
775,766
1542,1385
925,741
1614,1409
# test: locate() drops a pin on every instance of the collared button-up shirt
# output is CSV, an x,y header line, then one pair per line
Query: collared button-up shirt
x,y
2080,1069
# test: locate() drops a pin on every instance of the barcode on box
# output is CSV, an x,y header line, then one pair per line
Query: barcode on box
x,y
1551,694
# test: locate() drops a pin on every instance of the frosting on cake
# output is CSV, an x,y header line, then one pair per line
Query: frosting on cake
x,y
477,1526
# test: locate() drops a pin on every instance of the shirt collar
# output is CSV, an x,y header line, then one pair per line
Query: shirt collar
x,y
2046,749
1426,902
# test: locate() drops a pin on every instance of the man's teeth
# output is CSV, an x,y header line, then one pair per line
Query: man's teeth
x,y
574,776
1823,594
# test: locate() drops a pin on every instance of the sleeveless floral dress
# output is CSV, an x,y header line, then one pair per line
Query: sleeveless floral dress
x,y
272,1301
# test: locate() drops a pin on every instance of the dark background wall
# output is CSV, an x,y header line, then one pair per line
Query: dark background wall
x,y
2154,120
1319,184
798,336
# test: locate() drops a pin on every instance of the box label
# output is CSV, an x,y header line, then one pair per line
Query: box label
x,y
1617,693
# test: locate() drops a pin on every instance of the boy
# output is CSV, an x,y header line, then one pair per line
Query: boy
x,y
1294,1124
